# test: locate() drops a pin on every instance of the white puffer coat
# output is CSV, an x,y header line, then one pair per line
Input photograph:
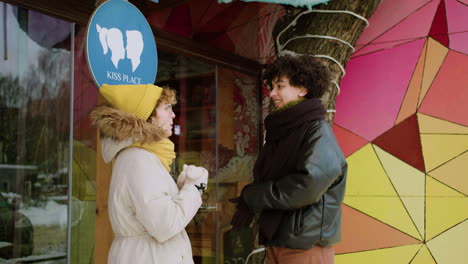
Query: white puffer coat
x,y
147,211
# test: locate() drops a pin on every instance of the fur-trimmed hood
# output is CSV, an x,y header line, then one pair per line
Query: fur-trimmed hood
x,y
120,129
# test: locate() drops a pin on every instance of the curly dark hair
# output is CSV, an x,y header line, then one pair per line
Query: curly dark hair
x,y
302,71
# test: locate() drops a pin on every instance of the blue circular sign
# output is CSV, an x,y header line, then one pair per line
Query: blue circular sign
x,y
120,45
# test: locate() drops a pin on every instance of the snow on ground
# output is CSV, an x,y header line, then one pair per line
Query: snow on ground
x,y
52,213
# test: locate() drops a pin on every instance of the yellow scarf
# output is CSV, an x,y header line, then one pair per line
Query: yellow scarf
x,y
163,149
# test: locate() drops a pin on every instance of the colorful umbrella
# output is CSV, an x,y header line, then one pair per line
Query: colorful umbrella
x,y
401,121
296,3
240,28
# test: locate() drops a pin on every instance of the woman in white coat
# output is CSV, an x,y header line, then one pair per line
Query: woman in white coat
x,y
147,209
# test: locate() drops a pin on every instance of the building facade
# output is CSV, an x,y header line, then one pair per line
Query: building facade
x,y
400,119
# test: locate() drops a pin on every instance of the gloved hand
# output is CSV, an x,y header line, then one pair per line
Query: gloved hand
x,y
182,177
243,216
197,176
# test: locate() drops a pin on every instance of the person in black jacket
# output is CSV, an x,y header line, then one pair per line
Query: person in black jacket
x,y
300,173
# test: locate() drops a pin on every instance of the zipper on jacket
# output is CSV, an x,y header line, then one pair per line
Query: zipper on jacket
x,y
323,215
299,222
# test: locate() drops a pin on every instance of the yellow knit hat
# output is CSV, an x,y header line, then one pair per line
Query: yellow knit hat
x,y
139,100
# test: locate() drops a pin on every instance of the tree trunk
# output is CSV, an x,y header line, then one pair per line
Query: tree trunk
x,y
302,37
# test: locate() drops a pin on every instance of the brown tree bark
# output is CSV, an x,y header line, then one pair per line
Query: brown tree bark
x,y
344,26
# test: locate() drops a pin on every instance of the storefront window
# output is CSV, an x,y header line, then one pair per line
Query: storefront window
x,y
195,137
217,123
238,144
85,98
217,115
49,162
35,91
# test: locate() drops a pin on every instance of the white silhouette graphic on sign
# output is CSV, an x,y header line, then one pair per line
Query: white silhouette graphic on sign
x,y
113,39
134,47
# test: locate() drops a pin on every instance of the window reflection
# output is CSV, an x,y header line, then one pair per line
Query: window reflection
x,y
218,115
83,212
238,142
195,83
34,136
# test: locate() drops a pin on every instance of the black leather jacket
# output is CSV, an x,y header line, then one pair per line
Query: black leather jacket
x,y
310,196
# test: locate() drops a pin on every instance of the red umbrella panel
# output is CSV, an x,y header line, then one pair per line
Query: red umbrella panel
x,y
239,27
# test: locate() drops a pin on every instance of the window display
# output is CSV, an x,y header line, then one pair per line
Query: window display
x,y
35,90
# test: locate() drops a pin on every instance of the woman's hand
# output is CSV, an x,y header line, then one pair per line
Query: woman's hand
x,y
195,175
182,177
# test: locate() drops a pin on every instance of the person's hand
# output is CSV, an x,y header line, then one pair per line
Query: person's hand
x,y
197,176
182,177
243,216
